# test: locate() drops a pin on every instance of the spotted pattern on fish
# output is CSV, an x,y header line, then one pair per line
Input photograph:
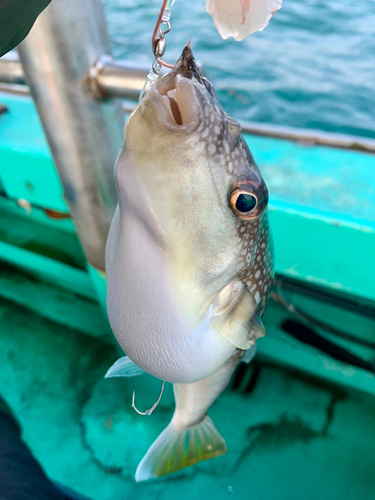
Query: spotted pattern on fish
x,y
259,276
255,265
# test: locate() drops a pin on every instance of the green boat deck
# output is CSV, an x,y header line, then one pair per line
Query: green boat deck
x,y
299,426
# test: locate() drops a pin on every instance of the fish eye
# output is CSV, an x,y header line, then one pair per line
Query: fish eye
x,y
245,203
245,200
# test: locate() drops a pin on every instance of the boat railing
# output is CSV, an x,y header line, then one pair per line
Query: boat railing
x,y
110,78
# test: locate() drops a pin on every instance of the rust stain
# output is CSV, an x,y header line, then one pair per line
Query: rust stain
x,y
55,214
108,423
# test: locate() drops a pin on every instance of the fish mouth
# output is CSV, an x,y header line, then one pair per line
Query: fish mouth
x,y
179,95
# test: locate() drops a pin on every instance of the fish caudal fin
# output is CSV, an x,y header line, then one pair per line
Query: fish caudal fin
x,y
175,449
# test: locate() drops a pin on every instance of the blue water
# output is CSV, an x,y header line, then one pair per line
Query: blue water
x,y
312,67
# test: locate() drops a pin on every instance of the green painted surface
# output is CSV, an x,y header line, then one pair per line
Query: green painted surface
x,y
54,303
34,231
319,180
281,349
324,251
35,215
26,166
48,270
291,438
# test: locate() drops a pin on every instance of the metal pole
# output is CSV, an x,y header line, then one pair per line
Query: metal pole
x,y
84,135
110,78
106,78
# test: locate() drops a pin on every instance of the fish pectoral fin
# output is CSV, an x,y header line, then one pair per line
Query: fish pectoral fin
x,y
124,367
236,316
176,449
249,354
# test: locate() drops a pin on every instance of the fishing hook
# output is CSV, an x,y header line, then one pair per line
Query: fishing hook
x,y
148,412
159,33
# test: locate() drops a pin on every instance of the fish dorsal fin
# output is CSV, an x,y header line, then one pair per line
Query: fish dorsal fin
x,y
236,316
124,367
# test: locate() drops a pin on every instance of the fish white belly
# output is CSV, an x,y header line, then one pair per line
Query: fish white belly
x,y
144,315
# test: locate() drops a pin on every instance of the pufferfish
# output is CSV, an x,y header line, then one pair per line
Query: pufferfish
x,y
189,257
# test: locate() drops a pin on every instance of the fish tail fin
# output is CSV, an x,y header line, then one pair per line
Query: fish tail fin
x,y
175,449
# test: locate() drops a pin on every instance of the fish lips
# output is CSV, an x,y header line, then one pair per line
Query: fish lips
x,y
176,102
180,96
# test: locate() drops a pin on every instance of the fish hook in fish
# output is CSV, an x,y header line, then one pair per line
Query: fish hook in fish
x,y
149,411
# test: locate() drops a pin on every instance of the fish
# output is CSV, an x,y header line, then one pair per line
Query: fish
x,y
189,257
240,18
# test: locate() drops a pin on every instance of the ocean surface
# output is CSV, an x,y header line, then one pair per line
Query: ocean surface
x,y
312,67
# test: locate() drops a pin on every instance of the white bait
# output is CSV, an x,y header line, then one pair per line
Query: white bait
x,y
240,18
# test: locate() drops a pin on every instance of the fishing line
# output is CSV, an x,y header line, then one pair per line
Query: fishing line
x,y
158,41
159,45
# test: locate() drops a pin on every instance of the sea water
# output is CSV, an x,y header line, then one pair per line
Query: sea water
x,y
312,67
